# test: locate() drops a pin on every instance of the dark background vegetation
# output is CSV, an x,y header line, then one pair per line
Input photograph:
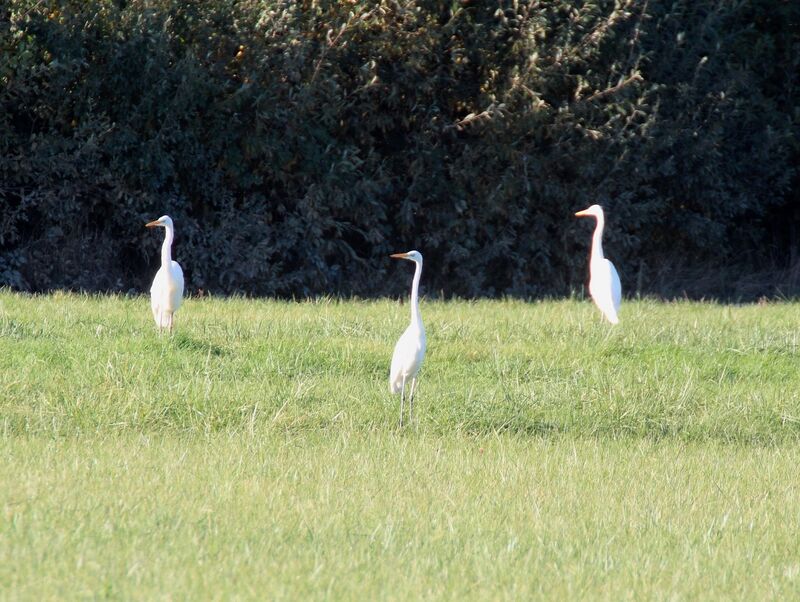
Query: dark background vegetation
x,y
297,144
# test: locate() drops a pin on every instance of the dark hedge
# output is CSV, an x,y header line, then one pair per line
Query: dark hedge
x,y
297,144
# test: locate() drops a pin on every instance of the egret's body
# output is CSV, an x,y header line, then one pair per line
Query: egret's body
x,y
604,284
409,352
166,293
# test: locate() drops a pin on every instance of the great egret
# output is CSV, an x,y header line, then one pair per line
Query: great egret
x,y
410,349
166,294
604,286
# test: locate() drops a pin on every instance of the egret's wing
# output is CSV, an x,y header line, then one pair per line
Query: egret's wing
x,y
157,294
407,357
396,370
177,291
616,286
605,289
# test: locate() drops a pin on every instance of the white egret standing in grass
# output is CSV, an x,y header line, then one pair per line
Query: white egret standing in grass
x,y
166,294
410,349
604,285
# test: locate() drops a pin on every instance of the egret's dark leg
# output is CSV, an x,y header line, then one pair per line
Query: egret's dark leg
x,y
411,399
402,399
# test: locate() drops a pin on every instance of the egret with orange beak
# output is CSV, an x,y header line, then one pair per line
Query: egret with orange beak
x,y
410,349
166,293
604,285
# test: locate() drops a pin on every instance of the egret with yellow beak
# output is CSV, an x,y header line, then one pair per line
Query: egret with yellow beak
x,y
410,349
604,285
166,293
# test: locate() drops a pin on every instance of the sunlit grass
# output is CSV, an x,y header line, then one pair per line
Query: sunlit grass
x,y
256,453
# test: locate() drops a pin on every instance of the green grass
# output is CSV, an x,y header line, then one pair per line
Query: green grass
x,y
256,454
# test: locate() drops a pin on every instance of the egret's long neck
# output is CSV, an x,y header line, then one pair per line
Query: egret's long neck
x,y
415,317
166,248
597,238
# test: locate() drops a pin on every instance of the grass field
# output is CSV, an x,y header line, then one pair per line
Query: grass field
x,y
256,454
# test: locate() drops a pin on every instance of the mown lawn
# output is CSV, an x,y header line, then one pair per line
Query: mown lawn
x,y
256,453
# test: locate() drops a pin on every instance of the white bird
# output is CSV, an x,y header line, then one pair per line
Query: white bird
x,y
166,293
410,349
604,285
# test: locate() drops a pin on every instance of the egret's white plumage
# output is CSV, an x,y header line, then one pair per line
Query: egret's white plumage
x,y
409,352
166,293
604,285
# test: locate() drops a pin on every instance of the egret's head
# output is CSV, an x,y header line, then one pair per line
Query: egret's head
x,y
593,211
165,221
411,256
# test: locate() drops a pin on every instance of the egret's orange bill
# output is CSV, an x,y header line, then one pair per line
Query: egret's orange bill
x,y
152,224
582,213
399,255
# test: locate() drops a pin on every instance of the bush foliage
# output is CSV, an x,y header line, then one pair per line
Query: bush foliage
x,y
296,144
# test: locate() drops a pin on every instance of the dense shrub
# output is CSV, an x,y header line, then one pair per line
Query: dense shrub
x,y
296,144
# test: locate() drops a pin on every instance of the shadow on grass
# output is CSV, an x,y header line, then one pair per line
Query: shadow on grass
x,y
183,341
521,427
524,427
